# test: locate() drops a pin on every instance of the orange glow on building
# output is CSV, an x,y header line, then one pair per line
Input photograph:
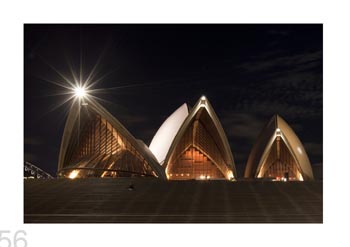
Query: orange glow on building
x,y
196,165
200,149
278,154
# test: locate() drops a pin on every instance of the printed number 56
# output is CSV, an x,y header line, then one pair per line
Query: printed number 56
x,y
6,242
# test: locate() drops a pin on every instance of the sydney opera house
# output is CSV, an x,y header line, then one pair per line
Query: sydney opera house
x,y
95,144
278,154
190,145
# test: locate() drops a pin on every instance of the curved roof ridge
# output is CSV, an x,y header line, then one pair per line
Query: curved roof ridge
x,y
264,142
203,102
166,133
99,109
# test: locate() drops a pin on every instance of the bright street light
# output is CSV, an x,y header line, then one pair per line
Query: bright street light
x,y
80,92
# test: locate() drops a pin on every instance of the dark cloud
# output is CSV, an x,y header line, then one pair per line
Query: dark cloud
x,y
292,63
289,85
241,125
271,107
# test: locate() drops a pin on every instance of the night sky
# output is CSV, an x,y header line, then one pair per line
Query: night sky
x,y
247,72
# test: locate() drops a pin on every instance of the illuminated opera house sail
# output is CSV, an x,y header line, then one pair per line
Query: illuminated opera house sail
x,y
193,145
278,154
190,144
95,144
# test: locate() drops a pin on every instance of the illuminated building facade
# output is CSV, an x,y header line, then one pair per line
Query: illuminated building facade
x,y
278,154
95,144
196,148
190,144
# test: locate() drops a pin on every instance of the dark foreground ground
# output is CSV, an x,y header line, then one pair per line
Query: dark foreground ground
x,y
152,200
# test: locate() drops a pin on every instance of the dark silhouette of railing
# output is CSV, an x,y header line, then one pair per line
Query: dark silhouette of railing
x,y
32,171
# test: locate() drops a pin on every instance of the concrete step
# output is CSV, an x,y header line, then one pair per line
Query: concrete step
x,y
153,200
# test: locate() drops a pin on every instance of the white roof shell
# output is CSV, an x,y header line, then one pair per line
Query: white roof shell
x,y
165,135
